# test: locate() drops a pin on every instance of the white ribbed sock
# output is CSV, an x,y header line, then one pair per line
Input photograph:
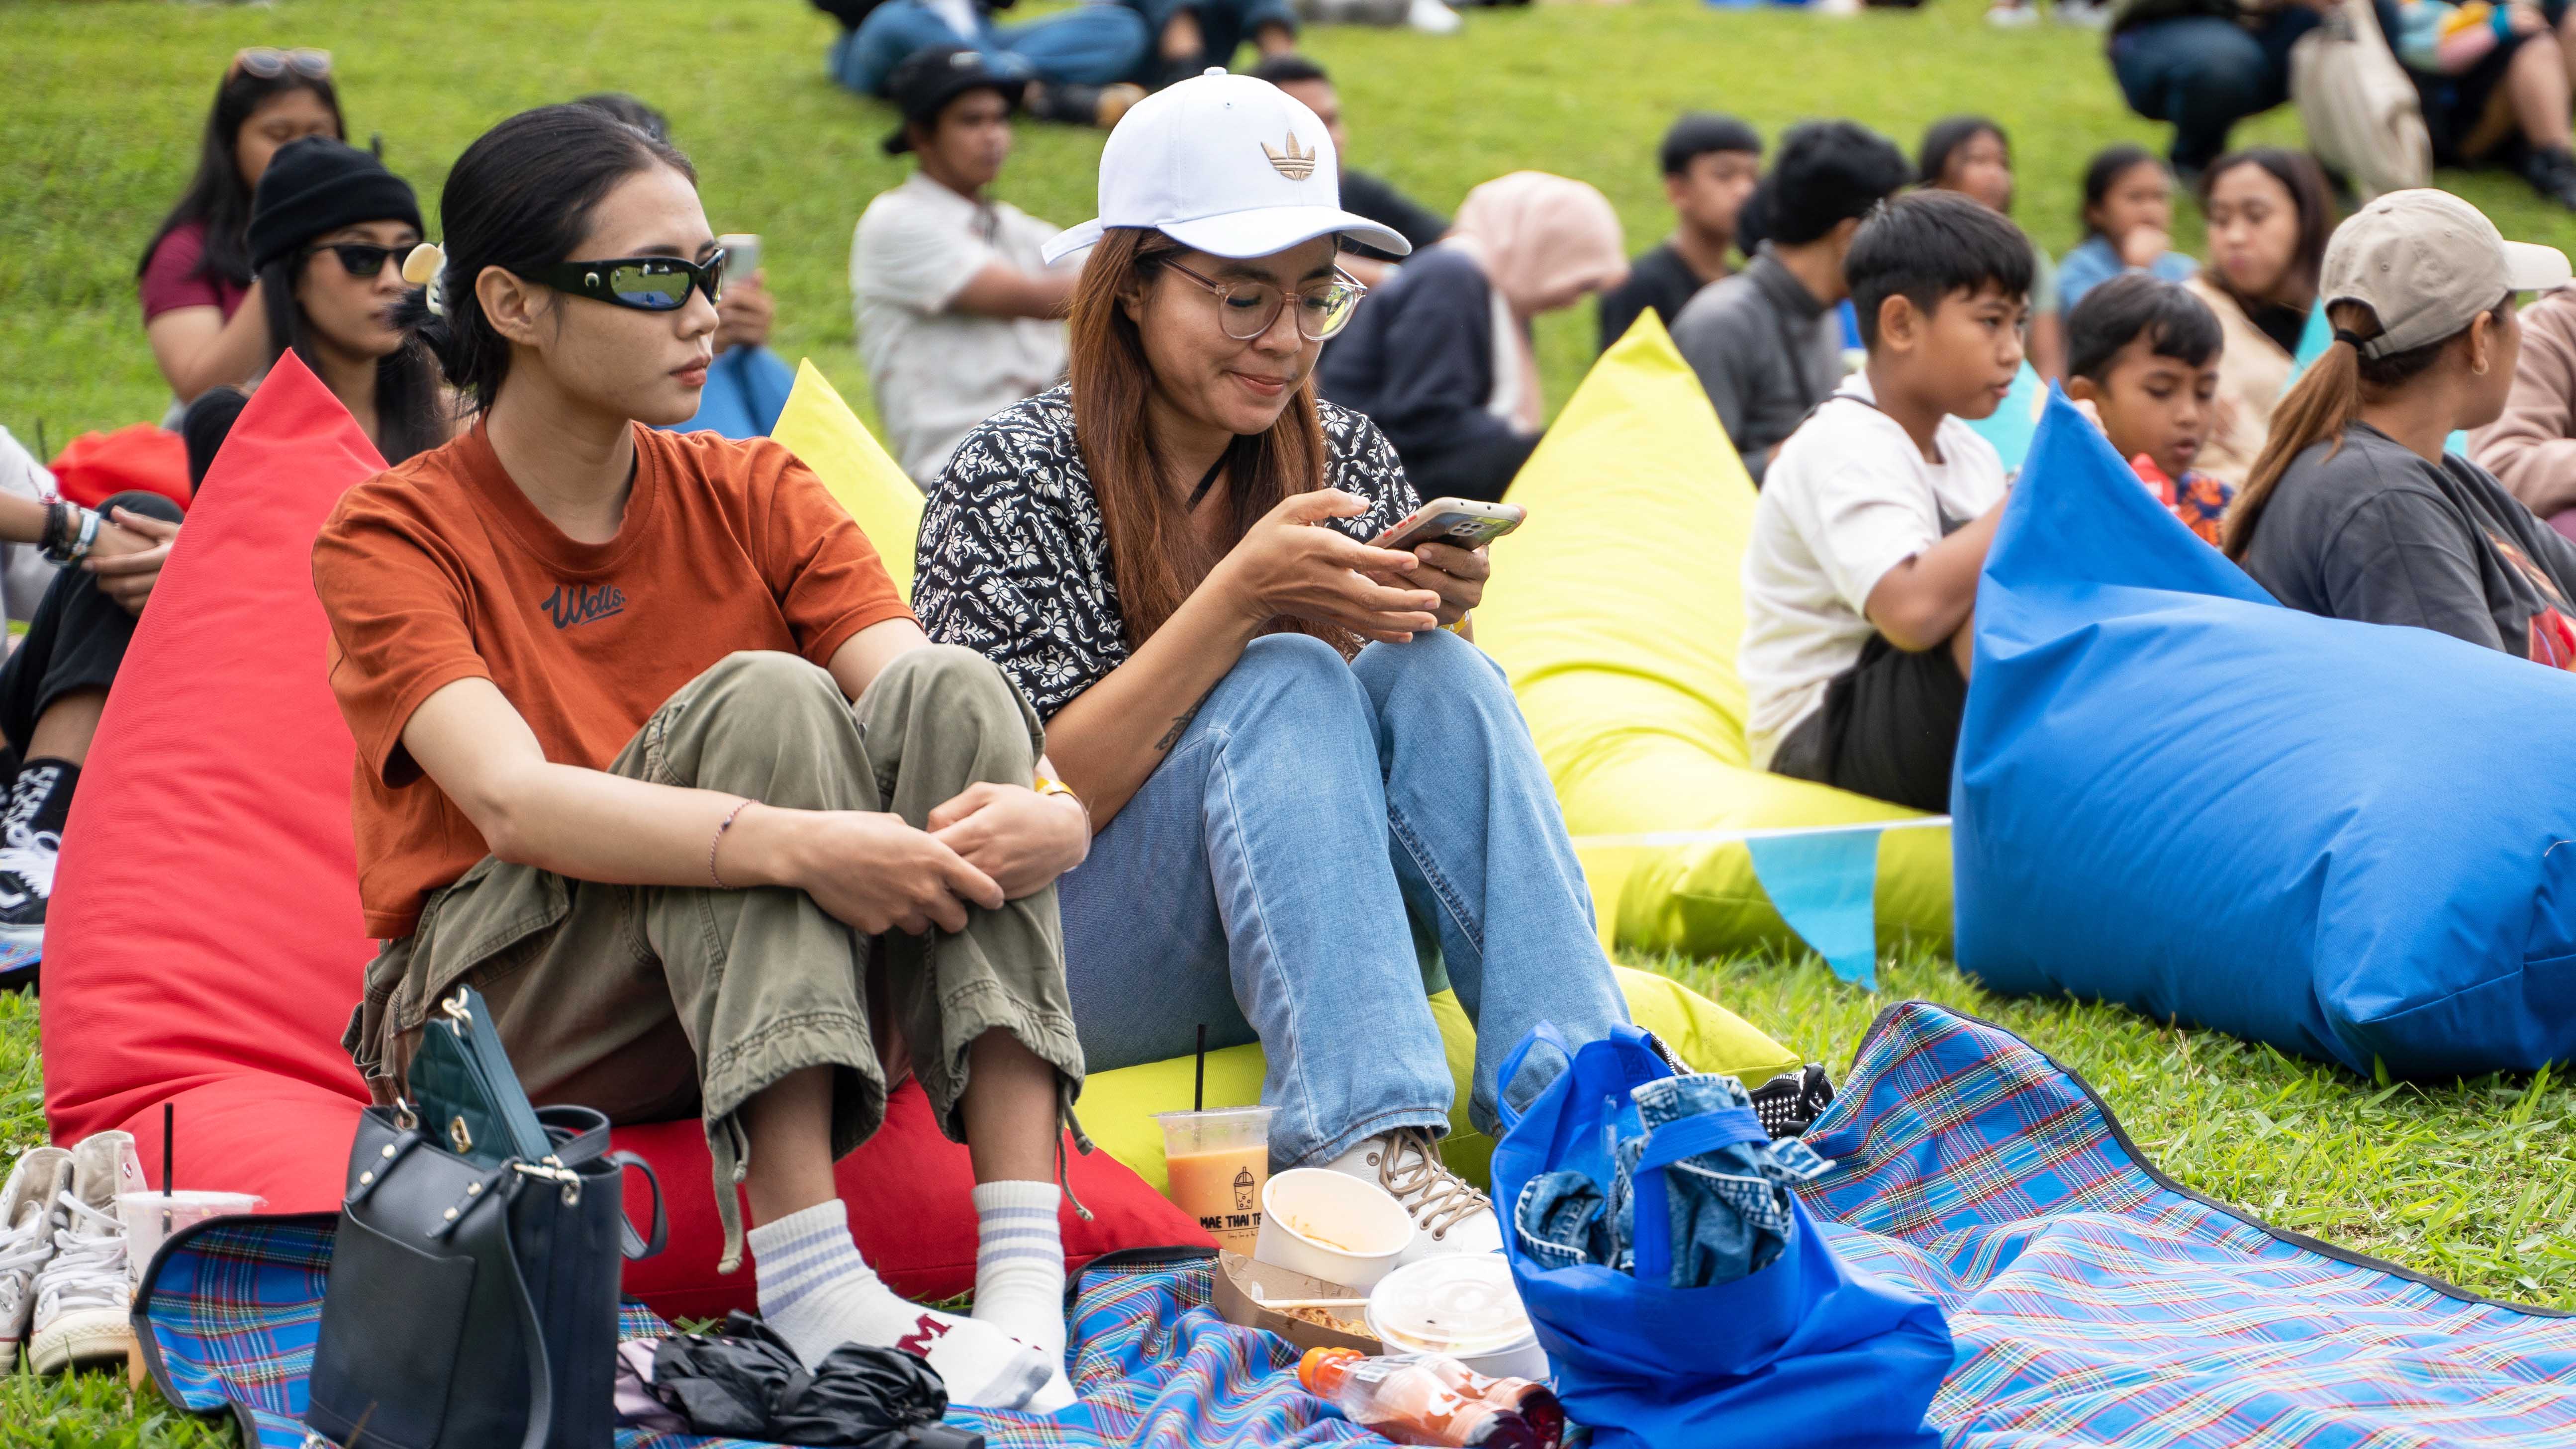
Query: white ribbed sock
x,y
818,1293
1019,1273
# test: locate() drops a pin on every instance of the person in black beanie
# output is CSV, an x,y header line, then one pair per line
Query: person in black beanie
x,y
329,229
1710,164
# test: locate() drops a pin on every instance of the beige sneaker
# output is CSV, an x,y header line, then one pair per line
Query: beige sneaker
x,y
82,1294
27,1239
1448,1215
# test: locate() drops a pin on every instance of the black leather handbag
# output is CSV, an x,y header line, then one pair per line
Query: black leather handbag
x,y
473,1292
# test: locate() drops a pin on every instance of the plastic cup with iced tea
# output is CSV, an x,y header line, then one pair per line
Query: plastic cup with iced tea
x,y
1217,1161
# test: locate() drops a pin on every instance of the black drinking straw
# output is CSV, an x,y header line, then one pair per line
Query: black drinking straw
x,y
1198,1079
169,1122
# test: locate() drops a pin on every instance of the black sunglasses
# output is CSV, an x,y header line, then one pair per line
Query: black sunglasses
x,y
359,259
647,284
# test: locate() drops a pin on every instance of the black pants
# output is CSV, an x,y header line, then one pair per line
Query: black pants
x,y
1888,729
75,643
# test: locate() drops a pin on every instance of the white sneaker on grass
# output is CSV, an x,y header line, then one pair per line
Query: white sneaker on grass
x,y
1433,18
1448,1215
27,1219
83,1297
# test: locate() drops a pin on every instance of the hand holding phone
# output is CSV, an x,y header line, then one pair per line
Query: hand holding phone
x,y
742,254
1458,522
1452,523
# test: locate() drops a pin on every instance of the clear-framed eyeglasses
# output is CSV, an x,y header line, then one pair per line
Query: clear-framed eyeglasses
x,y
1246,310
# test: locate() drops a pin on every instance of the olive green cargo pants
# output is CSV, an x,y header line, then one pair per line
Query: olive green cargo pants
x,y
651,1003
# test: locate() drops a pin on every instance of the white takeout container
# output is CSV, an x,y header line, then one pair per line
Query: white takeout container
x,y
149,1217
1328,1225
1462,1306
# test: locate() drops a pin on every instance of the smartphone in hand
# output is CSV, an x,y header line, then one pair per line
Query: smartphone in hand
x,y
1458,522
742,255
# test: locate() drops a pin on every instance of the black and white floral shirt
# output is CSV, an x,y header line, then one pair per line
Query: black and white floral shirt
x,y
1014,562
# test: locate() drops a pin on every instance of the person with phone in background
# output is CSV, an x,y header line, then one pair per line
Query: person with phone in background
x,y
1294,772
747,384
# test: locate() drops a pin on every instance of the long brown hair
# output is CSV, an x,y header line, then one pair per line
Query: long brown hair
x,y
2328,398
1156,556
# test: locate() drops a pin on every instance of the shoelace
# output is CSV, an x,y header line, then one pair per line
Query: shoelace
x,y
1412,1168
23,1249
88,1269
30,855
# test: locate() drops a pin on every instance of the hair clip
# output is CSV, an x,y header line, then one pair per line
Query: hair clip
x,y
426,266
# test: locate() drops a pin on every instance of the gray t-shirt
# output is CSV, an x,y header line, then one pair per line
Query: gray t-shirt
x,y
1766,350
2374,532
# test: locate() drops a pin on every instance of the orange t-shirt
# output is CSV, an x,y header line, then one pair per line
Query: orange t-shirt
x,y
441,569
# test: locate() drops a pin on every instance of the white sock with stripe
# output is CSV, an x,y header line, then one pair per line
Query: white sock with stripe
x,y
1019,1273
818,1293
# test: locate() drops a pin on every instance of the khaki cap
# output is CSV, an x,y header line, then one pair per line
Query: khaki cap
x,y
2427,263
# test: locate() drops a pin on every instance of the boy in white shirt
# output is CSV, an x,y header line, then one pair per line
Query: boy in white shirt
x,y
958,316
1874,519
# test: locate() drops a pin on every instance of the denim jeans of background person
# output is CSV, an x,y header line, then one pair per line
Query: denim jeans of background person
x,y
1309,804
2196,67
1096,43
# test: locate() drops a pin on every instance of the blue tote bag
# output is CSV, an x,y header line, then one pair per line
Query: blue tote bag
x,y
1803,1353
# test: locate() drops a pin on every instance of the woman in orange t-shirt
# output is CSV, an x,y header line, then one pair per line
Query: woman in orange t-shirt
x,y
603,679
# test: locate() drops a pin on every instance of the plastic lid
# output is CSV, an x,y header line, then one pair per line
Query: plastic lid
x,y
1462,1304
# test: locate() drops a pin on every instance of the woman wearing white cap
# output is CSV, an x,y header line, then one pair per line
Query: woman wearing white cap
x,y
2353,509
1293,770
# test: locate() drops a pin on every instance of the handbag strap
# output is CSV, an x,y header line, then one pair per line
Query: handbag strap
x,y
628,1243
1670,1143
541,1377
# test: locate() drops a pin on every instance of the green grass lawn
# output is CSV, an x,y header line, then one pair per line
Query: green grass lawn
x,y
2470,1182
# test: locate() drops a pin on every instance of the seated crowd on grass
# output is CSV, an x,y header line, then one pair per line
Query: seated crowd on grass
x,y
1155,650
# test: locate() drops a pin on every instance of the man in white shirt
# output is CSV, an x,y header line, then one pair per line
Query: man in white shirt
x,y
1860,582
958,317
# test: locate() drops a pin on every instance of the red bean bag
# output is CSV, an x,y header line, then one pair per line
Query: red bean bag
x,y
95,467
205,949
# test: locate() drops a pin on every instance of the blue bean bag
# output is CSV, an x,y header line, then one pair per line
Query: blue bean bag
x,y
2352,841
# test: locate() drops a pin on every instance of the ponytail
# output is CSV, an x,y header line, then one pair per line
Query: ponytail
x,y
2327,400
520,199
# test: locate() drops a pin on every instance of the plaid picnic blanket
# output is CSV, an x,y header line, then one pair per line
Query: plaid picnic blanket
x,y
2092,1299
234,1311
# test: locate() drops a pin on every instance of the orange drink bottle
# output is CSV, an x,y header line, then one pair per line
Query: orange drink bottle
x,y
1408,1403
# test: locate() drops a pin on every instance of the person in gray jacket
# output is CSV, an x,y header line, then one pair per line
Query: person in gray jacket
x,y
1765,342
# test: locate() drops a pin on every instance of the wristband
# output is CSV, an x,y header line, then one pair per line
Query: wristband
x,y
64,544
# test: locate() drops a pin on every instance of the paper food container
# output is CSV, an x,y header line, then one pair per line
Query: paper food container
x,y
1236,1277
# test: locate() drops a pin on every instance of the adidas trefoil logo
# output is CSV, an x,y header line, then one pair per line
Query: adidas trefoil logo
x,y
1294,164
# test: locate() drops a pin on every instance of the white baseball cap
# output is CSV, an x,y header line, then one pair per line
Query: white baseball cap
x,y
2427,263
1228,165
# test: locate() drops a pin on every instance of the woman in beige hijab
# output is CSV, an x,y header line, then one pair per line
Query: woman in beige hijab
x,y
1440,357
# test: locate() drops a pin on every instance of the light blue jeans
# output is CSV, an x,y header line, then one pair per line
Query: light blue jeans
x,y
1091,44
1269,877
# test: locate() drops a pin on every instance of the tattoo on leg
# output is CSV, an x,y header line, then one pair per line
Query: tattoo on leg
x,y
1181,725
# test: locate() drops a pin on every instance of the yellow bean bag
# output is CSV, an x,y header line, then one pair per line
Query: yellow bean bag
x,y
1117,1107
821,430
1616,610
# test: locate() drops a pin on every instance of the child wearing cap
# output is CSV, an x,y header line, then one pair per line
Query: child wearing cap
x,y
958,316
2353,509
1292,766
1710,165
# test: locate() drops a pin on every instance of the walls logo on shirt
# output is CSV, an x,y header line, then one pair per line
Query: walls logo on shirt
x,y
572,604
